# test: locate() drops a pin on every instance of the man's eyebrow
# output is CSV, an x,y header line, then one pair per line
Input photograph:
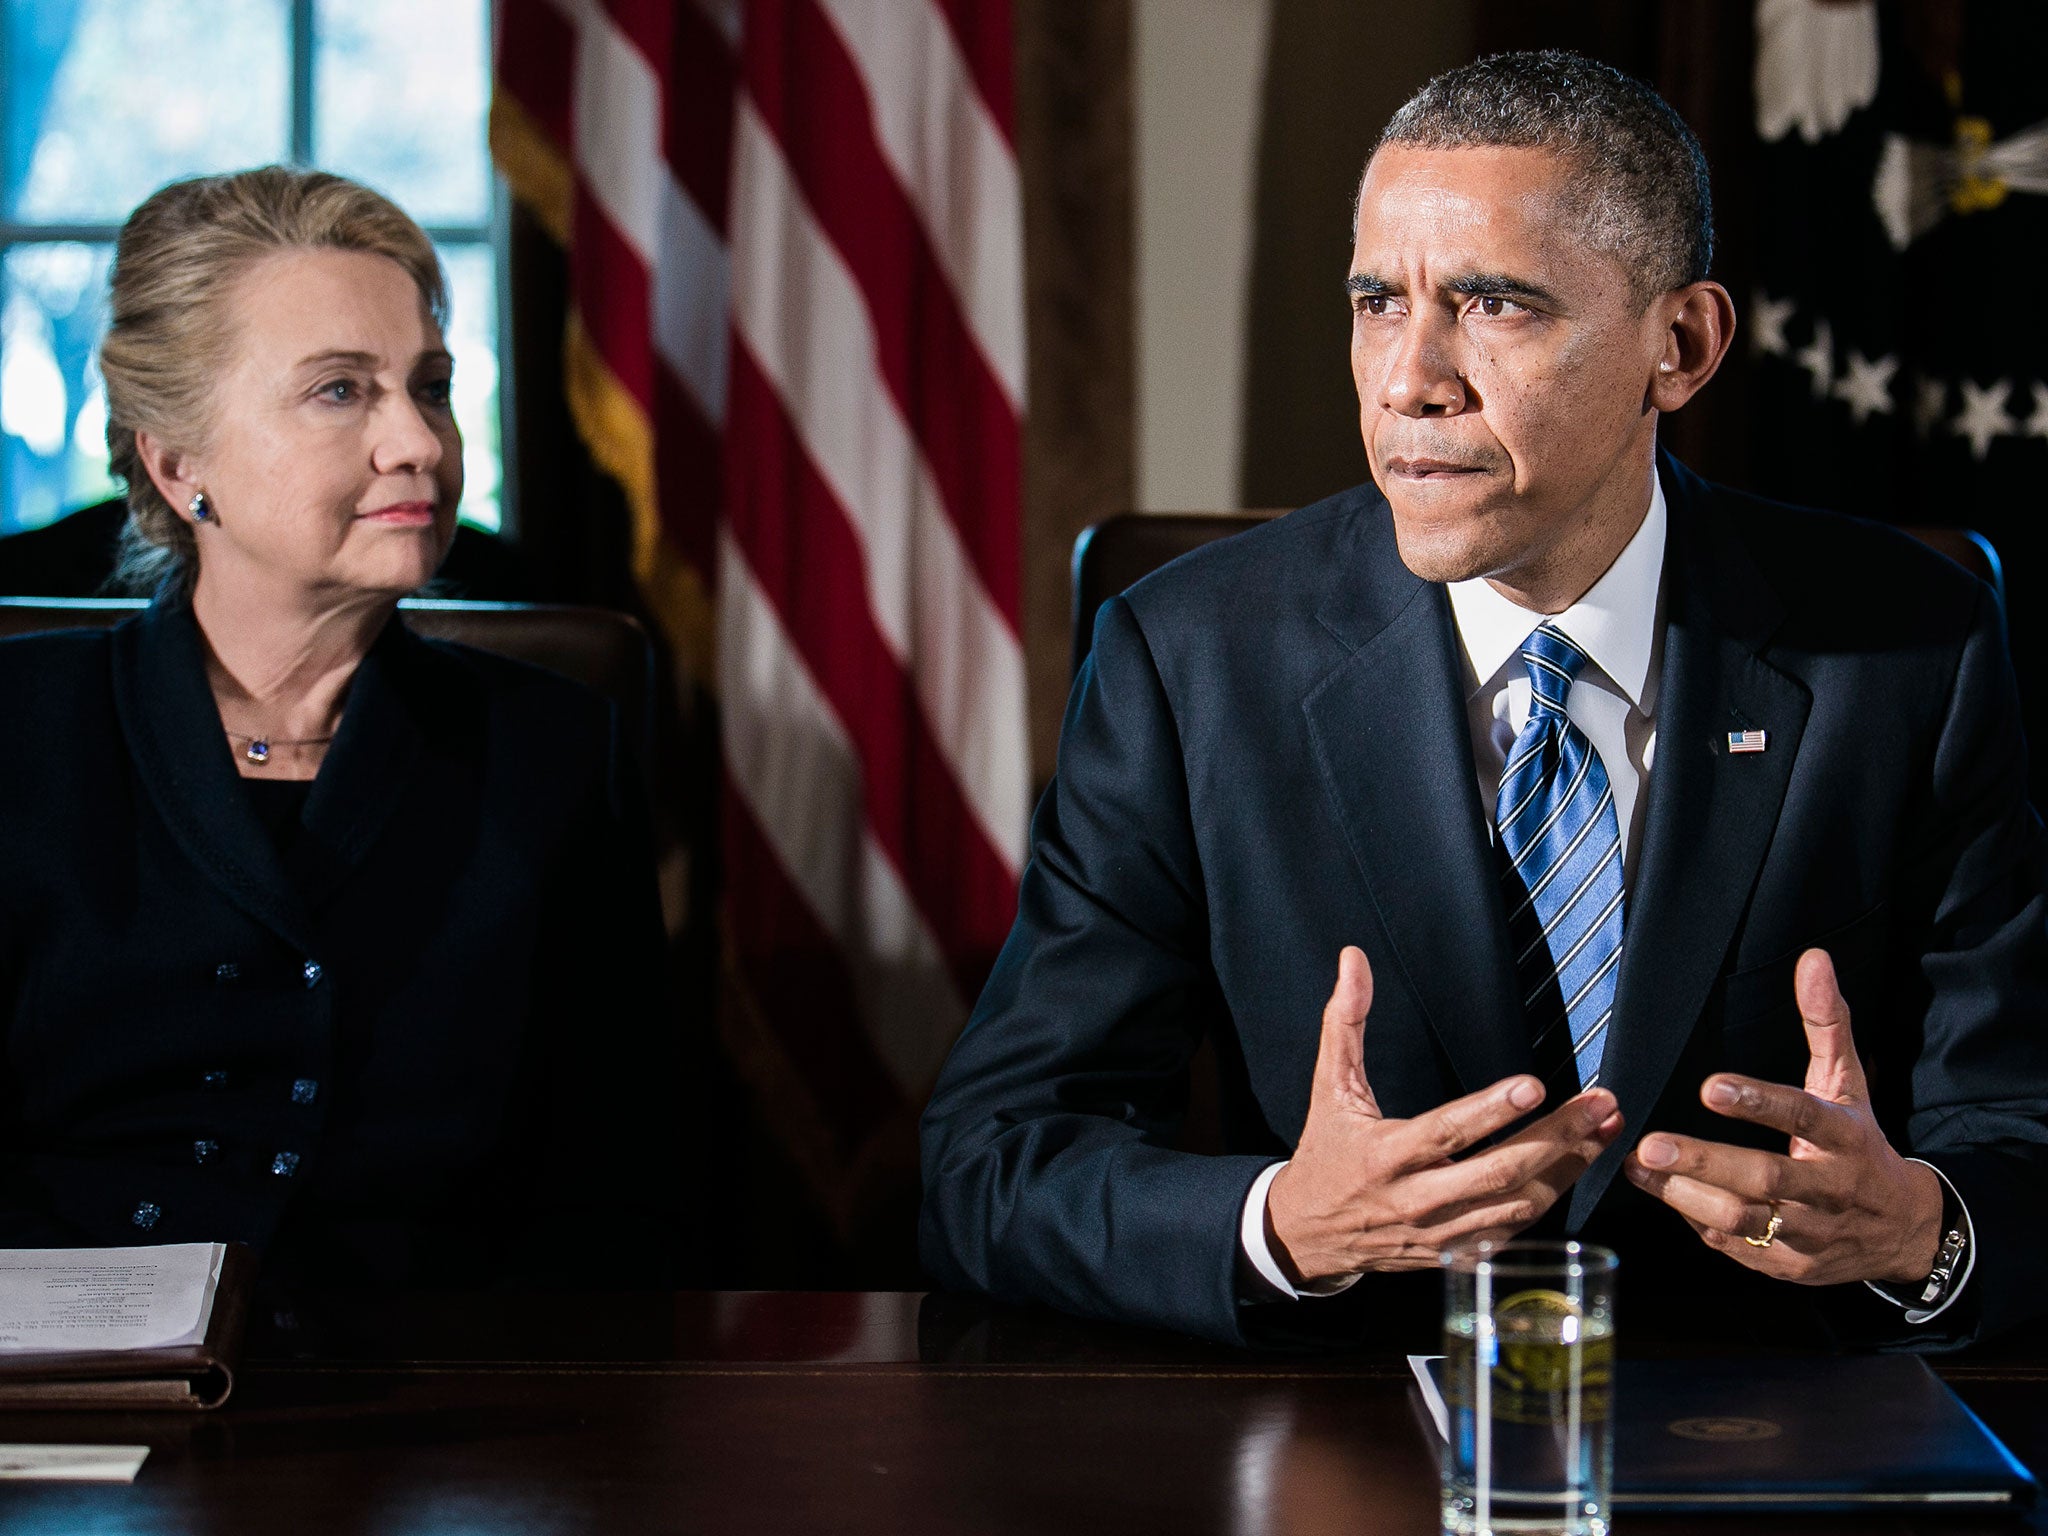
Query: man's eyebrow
x,y
1499,285
1370,285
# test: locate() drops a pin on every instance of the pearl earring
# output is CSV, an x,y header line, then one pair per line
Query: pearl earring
x,y
1663,367
200,508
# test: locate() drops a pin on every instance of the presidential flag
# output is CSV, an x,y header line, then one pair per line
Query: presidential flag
x,y
1899,370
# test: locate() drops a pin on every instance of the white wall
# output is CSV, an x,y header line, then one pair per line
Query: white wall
x,y
1199,70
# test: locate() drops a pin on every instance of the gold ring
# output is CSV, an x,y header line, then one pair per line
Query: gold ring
x,y
1770,1232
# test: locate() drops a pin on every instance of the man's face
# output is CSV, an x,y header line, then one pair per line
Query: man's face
x,y
1502,364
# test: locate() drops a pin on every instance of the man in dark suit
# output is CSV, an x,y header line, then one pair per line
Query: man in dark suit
x,y
1614,796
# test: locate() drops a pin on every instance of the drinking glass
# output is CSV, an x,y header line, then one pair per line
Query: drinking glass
x,y
1528,1384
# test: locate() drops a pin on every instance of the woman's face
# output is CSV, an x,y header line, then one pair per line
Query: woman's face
x,y
335,464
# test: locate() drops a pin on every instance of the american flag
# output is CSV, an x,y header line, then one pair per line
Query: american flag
x,y
796,340
1747,741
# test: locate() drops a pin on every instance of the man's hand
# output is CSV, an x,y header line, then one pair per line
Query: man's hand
x,y
1849,1207
1365,1192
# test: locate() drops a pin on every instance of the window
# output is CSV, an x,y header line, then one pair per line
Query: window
x,y
102,101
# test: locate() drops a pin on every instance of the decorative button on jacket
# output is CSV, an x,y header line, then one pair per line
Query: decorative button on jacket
x,y
446,994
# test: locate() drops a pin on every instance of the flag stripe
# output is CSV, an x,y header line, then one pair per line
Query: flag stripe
x,y
692,290
618,134
610,289
649,25
953,163
799,548
692,66
798,977
790,758
697,112
674,223
537,67
939,380
924,595
984,35
796,339
724,16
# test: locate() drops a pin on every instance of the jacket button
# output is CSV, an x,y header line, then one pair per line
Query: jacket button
x,y
285,1164
146,1214
312,972
214,1079
303,1090
227,971
204,1151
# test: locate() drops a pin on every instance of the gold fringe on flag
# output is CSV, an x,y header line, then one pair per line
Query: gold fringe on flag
x,y
621,442
610,421
538,173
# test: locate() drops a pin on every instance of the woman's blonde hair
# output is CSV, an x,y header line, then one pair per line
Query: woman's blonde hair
x,y
172,328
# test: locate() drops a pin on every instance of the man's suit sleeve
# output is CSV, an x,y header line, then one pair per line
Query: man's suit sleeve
x,y
1049,1169
1978,1107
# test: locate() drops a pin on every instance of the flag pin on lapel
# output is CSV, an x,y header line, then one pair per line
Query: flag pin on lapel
x,y
1747,741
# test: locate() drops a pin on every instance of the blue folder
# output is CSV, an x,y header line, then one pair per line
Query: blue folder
x,y
1792,1433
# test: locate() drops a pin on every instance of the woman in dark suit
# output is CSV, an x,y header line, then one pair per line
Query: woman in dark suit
x,y
315,935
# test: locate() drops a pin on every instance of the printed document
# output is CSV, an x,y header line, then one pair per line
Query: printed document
x,y
106,1298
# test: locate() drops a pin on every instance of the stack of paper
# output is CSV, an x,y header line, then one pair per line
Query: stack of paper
x,y
120,1327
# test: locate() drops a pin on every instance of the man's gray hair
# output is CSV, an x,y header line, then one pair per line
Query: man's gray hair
x,y
1641,178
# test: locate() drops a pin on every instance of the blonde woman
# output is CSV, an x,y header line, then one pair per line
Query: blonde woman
x,y
314,935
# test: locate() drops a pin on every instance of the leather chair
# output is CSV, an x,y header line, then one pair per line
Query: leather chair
x,y
600,648
1114,553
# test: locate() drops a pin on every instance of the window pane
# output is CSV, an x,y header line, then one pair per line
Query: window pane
x,y
109,99
399,97
473,339
53,411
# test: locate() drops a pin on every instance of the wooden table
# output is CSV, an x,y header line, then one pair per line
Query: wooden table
x,y
805,1412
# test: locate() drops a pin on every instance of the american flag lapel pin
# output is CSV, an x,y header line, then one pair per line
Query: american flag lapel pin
x,y
1747,741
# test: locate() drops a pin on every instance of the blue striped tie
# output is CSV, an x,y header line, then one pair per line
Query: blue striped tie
x,y
1561,875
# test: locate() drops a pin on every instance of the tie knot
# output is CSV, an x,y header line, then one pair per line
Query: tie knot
x,y
1553,662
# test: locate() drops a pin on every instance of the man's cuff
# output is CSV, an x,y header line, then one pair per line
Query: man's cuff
x,y
1251,1241
1916,1315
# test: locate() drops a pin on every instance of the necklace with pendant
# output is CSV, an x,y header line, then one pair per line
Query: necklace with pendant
x,y
258,749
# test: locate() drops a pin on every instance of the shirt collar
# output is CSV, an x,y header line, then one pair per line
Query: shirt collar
x,y
1615,623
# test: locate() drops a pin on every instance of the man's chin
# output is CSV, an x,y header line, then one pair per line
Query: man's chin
x,y
1437,553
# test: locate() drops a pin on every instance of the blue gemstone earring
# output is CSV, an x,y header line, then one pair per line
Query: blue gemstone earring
x,y
200,508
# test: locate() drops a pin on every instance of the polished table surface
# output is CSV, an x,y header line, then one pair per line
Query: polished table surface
x,y
793,1412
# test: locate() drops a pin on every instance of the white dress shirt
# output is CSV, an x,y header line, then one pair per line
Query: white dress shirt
x,y
1613,700
1619,624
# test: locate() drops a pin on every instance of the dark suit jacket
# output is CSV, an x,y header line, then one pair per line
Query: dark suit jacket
x,y
428,1052
1268,758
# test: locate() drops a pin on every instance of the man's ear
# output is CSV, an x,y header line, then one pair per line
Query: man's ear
x,y
172,472
1698,323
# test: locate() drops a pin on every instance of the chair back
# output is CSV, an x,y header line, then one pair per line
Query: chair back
x,y
1118,551
597,647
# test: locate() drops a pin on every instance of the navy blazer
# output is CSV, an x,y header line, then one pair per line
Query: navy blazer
x,y
1267,757
426,1052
